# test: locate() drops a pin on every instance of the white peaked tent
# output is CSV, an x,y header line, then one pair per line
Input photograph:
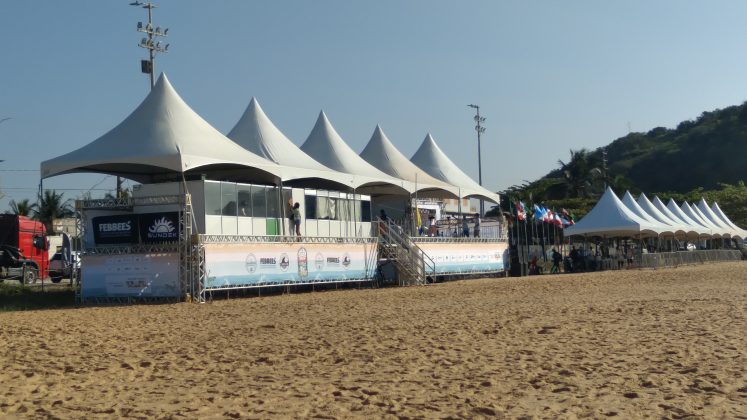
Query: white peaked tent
x,y
326,146
717,230
381,154
673,208
162,138
738,232
256,133
633,206
703,208
651,210
685,207
430,158
610,217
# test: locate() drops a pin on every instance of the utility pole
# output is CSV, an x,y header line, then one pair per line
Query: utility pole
x,y
480,129
153,46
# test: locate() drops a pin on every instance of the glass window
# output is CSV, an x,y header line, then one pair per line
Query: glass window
x,y
259,198
212,198
287,198
365,211
357,210
228,202
322,208
310,204
245,200
332,208
342,210
272,202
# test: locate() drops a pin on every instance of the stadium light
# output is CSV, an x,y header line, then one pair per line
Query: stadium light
x,y
480,129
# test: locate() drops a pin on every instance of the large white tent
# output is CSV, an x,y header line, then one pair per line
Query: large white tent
x,y
703,208
677,211
381,153
610,217
161,139
633,206
256,133
739,232
651,210
326,146
693,215
430,158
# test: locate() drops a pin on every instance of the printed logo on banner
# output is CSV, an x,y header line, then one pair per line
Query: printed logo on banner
x,y
333,261
319,261
119,229
159,227
346,260
284,262
251,264
268,263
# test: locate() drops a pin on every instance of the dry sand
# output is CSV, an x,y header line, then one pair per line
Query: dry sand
x,y
667,343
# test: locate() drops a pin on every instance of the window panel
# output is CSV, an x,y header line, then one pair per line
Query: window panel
x,y
212,198
228,199
245,200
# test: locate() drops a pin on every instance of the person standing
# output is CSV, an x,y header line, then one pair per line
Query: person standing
x,y
465,226
556,259
476,229
297,218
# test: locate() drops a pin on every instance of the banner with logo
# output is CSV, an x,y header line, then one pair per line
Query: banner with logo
x,y
159,227
465,257
114,230
130,275
236,265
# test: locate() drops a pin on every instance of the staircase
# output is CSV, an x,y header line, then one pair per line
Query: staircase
x,y
412,265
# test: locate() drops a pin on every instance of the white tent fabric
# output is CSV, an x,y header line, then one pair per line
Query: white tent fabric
x,y
162,137
381,153
652,211
717,230
633,206
703,208
610,217
430,158
739,232
256,133
676,214
685,207
326,146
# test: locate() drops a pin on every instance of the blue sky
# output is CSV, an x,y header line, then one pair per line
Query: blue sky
x,y
549,76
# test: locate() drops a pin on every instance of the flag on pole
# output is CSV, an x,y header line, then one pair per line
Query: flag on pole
x,y
520,212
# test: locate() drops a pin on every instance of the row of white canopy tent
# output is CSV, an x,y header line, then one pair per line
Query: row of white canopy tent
x,y
612,217
164,139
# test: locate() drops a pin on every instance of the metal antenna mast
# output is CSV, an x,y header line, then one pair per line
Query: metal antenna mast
x,y
480,129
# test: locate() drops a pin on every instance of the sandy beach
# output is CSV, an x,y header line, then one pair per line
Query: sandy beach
x,y
666,343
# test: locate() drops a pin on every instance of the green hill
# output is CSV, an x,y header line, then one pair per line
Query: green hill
x,y
702,153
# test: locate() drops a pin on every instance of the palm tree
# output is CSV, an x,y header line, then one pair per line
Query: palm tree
x,y
580,177
22,208
51,207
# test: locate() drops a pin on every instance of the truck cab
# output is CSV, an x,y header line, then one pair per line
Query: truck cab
x,y
24,250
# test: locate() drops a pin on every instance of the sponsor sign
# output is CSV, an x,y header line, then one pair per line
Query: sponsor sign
x,y
236,265
130,275
112,230
159,227
465,257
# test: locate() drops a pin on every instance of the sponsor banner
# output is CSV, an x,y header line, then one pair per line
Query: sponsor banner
x,y
112,230
159,227
130,275
465,257
232,265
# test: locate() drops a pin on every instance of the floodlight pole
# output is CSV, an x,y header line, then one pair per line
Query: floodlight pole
x,y
480,129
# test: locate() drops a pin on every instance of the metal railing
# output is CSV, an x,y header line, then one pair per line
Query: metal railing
x,y
407,256
674,259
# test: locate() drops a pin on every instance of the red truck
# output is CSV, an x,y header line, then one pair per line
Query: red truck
x,y
24,249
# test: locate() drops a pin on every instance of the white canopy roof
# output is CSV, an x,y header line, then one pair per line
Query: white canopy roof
x,y
673,208
381,153
690,212
256,133
654,212
430,158
610,217
161,138
738,232
326,146
711,217
633,206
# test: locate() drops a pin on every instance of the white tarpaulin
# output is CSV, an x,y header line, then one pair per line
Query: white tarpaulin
x,y
633,206
381,153
677,211
738,232
610,217
430,158
162,137
711,217
653,211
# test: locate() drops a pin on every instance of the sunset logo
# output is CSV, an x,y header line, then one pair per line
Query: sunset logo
x,y
161,228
